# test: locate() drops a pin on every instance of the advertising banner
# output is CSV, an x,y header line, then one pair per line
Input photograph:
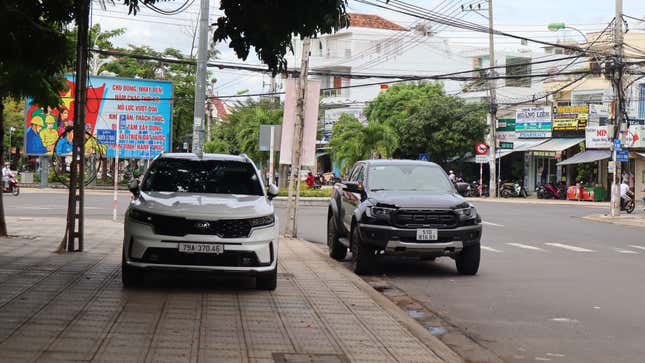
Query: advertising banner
x,y
312,102
635,137
570,121
533,122
598,115
598,137
146,106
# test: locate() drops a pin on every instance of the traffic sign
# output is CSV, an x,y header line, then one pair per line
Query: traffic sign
x,y
424,156
481,148
617,146
481,159
622,156
506,145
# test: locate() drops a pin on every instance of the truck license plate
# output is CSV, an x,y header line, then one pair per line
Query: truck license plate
x,y
214,248
427,234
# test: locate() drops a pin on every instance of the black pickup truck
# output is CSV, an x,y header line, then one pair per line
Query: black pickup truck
x,y
401,207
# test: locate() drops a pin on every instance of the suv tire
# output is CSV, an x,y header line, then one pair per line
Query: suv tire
x,y
267,280
468,260
130,276
336,249
362,256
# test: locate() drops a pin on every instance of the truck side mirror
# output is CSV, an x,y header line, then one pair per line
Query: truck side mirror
x,y
133,186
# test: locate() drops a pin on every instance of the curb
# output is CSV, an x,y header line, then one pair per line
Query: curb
x,y
429,340
629,221
539,202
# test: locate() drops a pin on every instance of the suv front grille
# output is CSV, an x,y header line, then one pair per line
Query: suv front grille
x,y
173,257
177,226
416,218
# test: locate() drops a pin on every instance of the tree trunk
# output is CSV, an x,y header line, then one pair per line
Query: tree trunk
x,y
3,224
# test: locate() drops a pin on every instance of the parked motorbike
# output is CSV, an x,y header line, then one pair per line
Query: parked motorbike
x,y
473,190
462,187
550,191
629,205
513,190
13,188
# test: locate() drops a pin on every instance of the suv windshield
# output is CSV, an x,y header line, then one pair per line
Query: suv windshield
x,y
426,178
202,176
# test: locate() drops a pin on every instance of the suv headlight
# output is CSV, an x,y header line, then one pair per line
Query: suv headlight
x,y
262,221
379,211
140,216
466,211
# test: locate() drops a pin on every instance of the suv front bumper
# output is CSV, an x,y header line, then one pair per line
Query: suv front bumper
x,y
395,240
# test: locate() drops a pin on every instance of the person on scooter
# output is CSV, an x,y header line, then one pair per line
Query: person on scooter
x,y
6,173
624,197
452,176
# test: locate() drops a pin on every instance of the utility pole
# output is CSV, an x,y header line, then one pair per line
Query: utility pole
x,y
617,68
74,230
200,79
294,180
492,105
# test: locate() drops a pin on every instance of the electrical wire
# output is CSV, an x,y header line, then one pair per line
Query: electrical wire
x,y
178,10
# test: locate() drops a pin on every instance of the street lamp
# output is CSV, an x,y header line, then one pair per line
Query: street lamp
x,y
554,27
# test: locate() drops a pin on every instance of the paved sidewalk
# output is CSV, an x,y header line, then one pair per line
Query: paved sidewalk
x,y
631,220
72,307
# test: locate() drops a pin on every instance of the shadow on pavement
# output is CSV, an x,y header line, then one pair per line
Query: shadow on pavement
x,y
186,280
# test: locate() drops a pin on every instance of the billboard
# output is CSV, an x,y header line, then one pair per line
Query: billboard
x,y
533,122
144,107
599,137
570,121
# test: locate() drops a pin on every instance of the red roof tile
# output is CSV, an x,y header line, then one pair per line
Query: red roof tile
x,y
373,21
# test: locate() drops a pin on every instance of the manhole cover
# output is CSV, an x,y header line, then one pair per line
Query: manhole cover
x,y
309,358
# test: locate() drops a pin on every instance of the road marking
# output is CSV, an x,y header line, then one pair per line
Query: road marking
x,y
528,247
569,247
564,320
620,250
491,249
492,224
637,246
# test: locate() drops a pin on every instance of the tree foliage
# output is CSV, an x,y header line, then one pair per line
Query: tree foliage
x,y
240,130
427,120
351,141
97,39
269,26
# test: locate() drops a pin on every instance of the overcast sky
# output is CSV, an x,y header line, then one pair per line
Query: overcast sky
x,y
514,16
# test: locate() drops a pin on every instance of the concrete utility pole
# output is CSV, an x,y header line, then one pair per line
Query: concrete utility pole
x,y
617,83
492,105
294,180
200,79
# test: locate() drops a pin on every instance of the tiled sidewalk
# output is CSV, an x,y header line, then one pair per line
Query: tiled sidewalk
x,y
73,308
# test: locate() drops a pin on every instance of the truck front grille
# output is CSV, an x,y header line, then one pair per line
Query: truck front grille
x,y
430,218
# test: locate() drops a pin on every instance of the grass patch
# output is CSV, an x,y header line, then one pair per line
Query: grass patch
x,y
326,192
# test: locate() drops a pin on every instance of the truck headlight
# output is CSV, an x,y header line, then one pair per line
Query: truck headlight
x,y
466,212
379,211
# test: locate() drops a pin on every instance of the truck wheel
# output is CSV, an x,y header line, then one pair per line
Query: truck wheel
x,y
468,260
362,256
267,280
336,249
130,276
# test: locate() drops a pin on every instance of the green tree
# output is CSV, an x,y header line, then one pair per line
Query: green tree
x,y
98,39
240,131
14,116
351,141
427,120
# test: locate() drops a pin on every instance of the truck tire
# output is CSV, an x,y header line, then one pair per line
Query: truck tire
x,y
468,260
267,280
336,249
362,256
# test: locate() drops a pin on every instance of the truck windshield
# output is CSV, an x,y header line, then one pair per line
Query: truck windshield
x,y
202,176
427,178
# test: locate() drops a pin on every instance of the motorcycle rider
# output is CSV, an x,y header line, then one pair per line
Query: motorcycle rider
x,y
452,176
6,173
624,190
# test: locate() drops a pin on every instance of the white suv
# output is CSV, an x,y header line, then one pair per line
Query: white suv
x,y
205,213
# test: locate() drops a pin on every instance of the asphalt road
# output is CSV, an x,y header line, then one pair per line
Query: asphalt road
x,y
552,287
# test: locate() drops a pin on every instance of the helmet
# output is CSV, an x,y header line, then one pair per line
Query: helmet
x,y
37,120
49,119
451,172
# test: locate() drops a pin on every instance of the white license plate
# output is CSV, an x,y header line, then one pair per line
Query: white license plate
x,y
214,248
427,234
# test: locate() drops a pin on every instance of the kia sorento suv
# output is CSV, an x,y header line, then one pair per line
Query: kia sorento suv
x,y
206,212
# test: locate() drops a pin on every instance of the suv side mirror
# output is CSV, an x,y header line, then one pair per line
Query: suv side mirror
x,y
272,191
354,187
133,186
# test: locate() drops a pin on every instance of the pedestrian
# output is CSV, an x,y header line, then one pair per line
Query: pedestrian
x,y
6,173
310,180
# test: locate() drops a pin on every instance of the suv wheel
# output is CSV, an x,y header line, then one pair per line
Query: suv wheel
x,y
336,249
267,280
130,276
362,256
468,260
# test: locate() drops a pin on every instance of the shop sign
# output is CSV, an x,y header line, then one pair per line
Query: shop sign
x,y
548,154
598,114
635,137
611,166
570,121
533,122
598,137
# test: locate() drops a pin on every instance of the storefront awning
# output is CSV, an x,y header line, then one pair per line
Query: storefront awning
x,y
642,155
588,156
556,145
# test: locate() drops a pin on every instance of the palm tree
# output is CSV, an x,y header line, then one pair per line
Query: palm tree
x,y
351,141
